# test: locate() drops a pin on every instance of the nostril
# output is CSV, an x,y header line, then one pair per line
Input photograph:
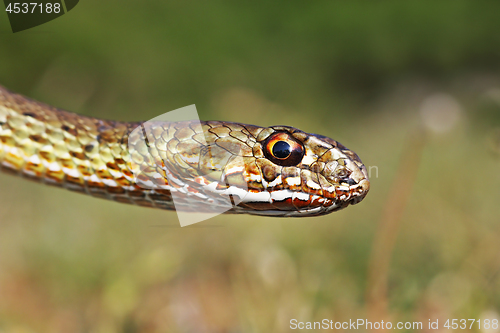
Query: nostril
x,y
350,181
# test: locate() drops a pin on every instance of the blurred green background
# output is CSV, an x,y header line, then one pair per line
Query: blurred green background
x,y
412,86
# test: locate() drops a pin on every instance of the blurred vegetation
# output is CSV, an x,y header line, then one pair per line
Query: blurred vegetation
x,y
360,72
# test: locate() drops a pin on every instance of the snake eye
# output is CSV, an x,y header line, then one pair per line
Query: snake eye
x,y
283,149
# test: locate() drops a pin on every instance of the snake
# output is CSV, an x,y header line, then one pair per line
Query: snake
x,y
186,166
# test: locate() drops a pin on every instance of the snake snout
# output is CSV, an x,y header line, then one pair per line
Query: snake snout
x,y
351,175
358,181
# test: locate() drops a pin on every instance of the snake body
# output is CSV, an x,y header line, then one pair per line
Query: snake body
x,y
187,166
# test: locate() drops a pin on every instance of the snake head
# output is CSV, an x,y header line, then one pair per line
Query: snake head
x,y
236,168
306,174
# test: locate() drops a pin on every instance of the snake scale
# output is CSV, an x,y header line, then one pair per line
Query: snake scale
x,y
187,166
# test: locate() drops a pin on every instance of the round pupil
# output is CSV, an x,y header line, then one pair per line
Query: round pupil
x,y
281,149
